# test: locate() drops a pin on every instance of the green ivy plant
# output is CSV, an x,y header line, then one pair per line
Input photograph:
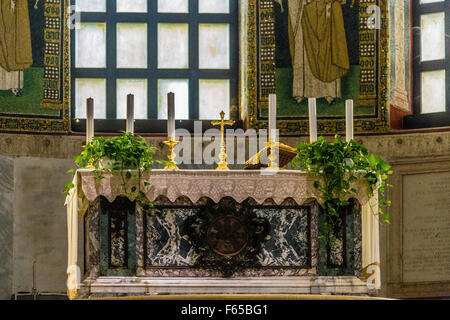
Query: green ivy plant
x,y
335,166
127,154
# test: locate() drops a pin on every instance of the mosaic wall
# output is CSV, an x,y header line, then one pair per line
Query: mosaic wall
x,y
285,57
34,66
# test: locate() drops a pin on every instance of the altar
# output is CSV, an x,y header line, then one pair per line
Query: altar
x,y
216,232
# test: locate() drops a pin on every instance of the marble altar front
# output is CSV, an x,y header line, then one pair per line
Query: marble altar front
x,y
273,243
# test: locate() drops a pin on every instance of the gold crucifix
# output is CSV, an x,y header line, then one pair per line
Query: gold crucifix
x,y
222,165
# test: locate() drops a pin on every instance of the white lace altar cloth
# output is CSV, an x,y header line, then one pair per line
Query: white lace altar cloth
x,y
214,184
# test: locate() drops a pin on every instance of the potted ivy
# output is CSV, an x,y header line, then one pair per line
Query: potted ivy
x,y
127,154
335,166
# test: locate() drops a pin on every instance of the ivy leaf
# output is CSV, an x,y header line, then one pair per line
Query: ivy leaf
x,y
372,161
383,164
337,165
69,185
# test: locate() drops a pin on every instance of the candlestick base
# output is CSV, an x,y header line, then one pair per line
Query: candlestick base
x,y
90,166
273,164
222,166
171,155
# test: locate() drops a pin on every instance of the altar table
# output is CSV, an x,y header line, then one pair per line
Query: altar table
x,y
275,247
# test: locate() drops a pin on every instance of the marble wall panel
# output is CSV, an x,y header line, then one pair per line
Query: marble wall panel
x,y
288,245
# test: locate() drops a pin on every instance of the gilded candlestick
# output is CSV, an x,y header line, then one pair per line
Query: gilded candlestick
x,y
222,165
171,142
91,161
271,147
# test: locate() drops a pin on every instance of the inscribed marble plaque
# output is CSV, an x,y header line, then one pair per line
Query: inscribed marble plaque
x,y
426,227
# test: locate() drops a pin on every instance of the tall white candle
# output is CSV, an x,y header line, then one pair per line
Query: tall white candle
x,y
312,119
89,119
349,119
171,115
130,113
272,116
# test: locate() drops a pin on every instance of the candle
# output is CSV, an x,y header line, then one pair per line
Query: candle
x,y
130,113
349,120
171,115
272,116
89,120
312,119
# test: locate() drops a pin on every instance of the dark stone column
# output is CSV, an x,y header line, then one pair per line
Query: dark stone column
x,y
314,229
140,238
93,243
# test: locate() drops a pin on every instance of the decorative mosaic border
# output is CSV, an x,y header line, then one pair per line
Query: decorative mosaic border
x,y
52,55
267,66
261,72
57,38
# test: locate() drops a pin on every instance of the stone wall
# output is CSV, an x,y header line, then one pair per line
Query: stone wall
x,y
40,232
32,176
6,226
391,146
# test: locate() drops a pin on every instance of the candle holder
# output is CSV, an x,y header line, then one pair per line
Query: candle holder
x,y
171,142
222,165
90,165
271,146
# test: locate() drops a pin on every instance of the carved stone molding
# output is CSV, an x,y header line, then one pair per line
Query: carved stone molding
x,y
392,146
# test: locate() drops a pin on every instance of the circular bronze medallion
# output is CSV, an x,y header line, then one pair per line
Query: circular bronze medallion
x,y
227,236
